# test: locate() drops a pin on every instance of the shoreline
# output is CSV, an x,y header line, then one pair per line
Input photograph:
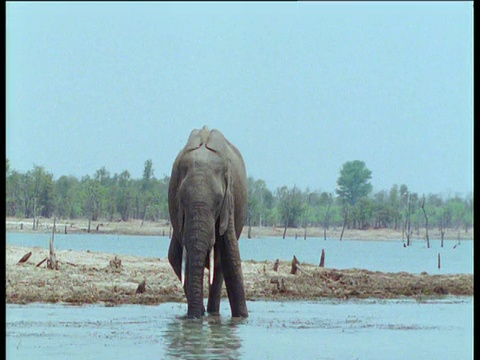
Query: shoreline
x,y
93,278
150,228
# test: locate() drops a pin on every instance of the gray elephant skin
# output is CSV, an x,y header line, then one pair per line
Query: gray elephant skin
x,y
207,200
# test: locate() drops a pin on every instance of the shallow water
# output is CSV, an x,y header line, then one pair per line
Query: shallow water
x,y
366,329
387,256
326,329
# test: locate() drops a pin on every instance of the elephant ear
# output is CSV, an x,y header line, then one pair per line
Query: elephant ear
x,y
175,209
181,222
216,143
196,139
227,206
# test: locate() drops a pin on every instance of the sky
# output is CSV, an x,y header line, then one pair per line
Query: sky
x,y
299,88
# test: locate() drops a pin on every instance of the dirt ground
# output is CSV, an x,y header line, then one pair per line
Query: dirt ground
x,y
91,277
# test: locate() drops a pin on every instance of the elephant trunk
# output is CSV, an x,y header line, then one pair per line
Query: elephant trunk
x,y
194,284
198,248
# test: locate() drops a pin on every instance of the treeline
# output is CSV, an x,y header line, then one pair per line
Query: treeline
x,y
101,196
352,205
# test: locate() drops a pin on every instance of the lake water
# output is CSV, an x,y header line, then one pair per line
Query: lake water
x,y
324,329
367,329
388,256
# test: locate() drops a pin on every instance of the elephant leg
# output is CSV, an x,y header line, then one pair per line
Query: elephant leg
x,y
175,255
232,273
215,292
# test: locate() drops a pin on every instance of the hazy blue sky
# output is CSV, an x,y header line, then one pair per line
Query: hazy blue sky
x,y
299,88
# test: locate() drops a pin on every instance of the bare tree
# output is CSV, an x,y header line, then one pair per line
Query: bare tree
x,y
326,219
407,224
426,220
345,214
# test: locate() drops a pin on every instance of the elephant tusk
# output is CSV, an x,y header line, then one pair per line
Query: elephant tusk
x,y
184,265
211,267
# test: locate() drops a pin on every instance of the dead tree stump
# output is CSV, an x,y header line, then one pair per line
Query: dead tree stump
x,y
295,264
322,259
275,266
141,287
52,262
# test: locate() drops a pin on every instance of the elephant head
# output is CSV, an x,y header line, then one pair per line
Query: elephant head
x,y
207,201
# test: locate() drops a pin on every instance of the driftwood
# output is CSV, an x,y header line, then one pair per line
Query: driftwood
x,y
296,266
115,263
41,262
280,285
58,262
24,258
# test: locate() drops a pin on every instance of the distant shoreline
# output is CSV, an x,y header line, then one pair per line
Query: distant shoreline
x,y
150,228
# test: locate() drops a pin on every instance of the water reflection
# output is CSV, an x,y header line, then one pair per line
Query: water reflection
x,y
210,338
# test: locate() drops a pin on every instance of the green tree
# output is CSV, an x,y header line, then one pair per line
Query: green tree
x,y
363,213
147,183
102,182
124,195
354,181
395,206
290,206
15,194
352,185
160,201
259,200
325,203
69,204
40,188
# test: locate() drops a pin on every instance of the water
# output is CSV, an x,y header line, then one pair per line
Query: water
x,y
388,256
325,329
367,329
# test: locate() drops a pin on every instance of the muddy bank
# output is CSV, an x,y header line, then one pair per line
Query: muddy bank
x,y
90,277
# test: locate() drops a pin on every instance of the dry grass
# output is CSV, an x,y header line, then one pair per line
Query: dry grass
x,y
88,277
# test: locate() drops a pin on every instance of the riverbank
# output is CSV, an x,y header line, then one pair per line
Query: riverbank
x,y
87,277
150,228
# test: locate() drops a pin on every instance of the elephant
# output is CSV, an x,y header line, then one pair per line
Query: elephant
x,y
207,201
